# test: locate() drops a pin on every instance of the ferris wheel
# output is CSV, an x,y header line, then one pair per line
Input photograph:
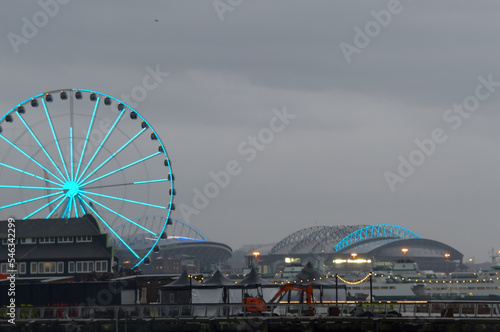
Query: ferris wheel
x,y
71,152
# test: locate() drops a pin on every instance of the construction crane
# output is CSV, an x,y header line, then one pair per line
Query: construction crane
x,y
254,304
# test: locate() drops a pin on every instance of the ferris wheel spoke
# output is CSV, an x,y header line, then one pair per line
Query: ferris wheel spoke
x,y
67,208
100,145
55,137
150,181
124,199
121,168
111,229
28,187
120,215
30,174
29,200
128,183
43,207
96,106
55,209
71,150
39,144
114,154
33,160
76,209
81,203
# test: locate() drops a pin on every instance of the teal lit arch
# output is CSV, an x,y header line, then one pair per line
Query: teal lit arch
x,y
375,231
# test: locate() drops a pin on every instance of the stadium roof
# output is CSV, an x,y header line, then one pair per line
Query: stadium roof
x,y
330,239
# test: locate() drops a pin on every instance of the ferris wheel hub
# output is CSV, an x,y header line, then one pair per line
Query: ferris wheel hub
x,y
71,189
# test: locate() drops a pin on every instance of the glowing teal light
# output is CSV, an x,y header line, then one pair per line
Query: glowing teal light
x,y
71,189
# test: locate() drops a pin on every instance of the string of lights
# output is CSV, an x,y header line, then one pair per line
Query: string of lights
x,y
354,282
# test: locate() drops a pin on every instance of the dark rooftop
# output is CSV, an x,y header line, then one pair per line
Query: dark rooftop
x,y
86,225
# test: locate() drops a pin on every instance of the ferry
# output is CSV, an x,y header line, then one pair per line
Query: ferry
x,y
427,284
406,281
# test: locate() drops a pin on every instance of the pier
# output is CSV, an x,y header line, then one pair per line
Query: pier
x,y
344,316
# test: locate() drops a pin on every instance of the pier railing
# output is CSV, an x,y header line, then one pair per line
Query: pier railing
x,y
442,309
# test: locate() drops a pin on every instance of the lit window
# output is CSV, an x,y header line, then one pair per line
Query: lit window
x,y
47,267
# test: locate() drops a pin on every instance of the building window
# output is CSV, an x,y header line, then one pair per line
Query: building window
x,y
71,267
6,241
101,266
60,267
47,240
28,240
19,267
88,266
22,268
84,239
47,267
65,239
33,268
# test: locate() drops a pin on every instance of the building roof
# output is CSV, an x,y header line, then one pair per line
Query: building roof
x,y
59,251
86,225
218,279
253,279
310,276
184,281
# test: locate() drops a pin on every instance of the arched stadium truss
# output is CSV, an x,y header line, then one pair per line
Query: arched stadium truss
x,y
376,231
313,239
318,239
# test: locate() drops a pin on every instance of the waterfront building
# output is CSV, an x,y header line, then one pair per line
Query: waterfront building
x,y
46,248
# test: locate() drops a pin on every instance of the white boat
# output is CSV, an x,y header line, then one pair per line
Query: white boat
x,y
426,284
384,286
405,281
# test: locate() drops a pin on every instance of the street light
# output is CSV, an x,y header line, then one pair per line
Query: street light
x,y
404,250
447,255
354,255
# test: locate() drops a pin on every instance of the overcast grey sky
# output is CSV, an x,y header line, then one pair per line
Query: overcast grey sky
x,y
355,84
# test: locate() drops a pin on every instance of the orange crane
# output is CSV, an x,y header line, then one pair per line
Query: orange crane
x,y
258,305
